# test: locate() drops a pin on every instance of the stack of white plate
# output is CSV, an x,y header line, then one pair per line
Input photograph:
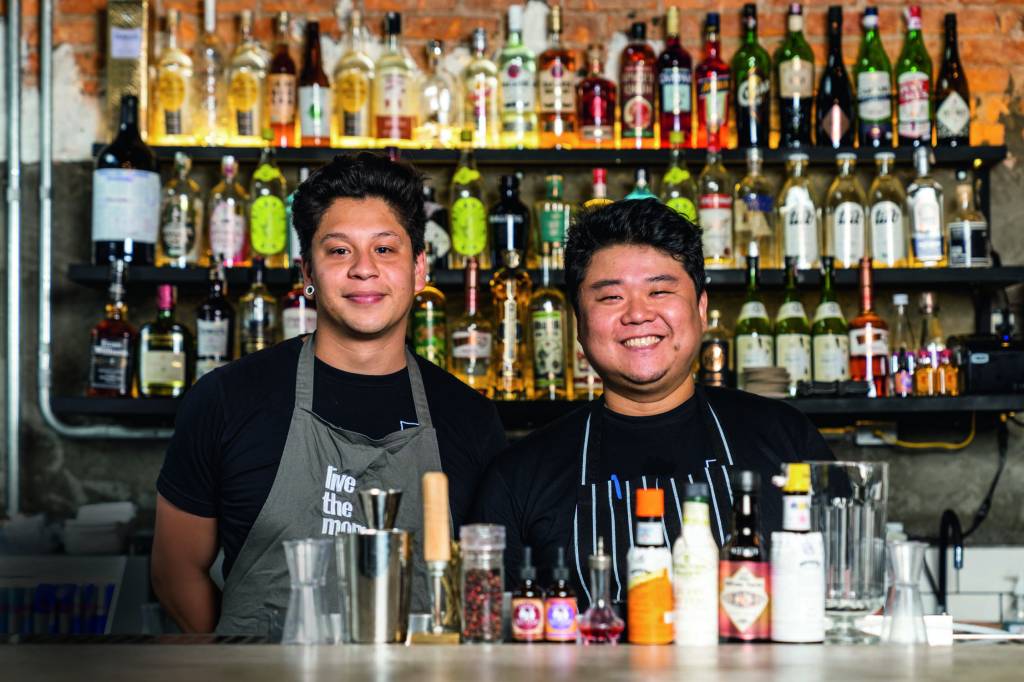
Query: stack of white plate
x,y
771,382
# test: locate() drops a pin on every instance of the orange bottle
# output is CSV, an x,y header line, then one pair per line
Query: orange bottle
x,y
649,604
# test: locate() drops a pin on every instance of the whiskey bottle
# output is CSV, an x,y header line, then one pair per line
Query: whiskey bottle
x,y
755,344
873,73
714,353
210,100
952,96
636,78
869,341
925,210
754,213
353,84
830,341
165,351
554,214
794,74
752,69
438,102
181,219
586,382
798,216
314,93
112,344
468,215
298,313
215,326
394,88
258,314
549,327
247,74
675,86
471,357
556,84
281,89
171,122
793,332
844,214
510,290
518,66
509,221
715,188
480,84
227,239
429,327
914,85
678,189
712,76
887,223
268,222
597,97
437,239
969,245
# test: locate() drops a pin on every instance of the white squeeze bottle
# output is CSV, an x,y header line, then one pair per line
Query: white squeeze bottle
x,y
695,572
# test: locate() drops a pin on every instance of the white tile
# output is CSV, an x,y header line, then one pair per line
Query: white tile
x,y
975,607
989,569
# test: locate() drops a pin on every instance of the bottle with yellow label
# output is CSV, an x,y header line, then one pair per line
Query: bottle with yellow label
x,y
247,77
268,222
171,122
468,215
678,188
650,601
353,85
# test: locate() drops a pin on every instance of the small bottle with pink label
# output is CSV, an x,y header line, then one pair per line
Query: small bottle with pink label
x,y
528,603
560,608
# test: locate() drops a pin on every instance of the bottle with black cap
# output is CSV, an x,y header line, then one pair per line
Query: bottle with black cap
x,y
528,603
744,579
560,606
695,572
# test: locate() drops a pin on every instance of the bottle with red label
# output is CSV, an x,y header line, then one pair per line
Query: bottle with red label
x,y
744,594
914,85
869,340
596,96
636,81
675,85
560,607
714,211
528,603
556,85
281,89
712,76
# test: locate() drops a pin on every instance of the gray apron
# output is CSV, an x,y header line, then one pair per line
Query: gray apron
x,y
315,494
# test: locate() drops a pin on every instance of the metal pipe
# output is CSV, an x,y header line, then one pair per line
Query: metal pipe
x,y
13,374
44,357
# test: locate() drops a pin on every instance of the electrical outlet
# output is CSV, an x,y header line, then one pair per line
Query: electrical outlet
x,y
871,434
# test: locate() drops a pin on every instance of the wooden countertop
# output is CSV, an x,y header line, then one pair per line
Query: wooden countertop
x,y
532,663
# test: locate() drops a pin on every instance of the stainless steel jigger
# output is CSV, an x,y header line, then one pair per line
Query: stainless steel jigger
x,y
380,507
904,612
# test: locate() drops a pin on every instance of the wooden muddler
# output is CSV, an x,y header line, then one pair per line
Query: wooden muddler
x,y
437,552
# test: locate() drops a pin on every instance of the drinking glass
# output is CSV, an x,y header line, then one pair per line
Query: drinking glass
x,y
308,620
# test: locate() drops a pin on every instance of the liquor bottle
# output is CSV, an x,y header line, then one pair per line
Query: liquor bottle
x,y
210,99
394,87
641,186
715,187
678,189
798,565
258,323
227,238
886,220
438,102
549,327
473,339
560,606
752,69
314,93
215,326
268,222
925,210
599,624
438,241
429,327
126,195
754,213
518,66
844,214
830,340
874,86
869,341
165,351
712,76
468,215
636,78
527,603
586,382
181,219
903,358
553,216
171,122
755,344
596,96
794,73
298,313
294,245
112,343
714,353
969,245
649,603
510,291
281,89
793,332
353,83
481,108
675,87
914,85
934,373
556,83
744,593
952,96
509,221
798,216
247,76
836,120
599,191
695,572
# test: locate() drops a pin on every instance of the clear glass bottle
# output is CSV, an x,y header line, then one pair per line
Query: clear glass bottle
x,y
599,624
518,66
549,330
395,100
112,344
556,85
934,374
165,351
869,340
171,122
554,214
586,382
268,222
470,236
210,101
481,106
247,81
353,84
830,340
294,245
714,210
596,97
298,313
798,215
282,93
428,326
510,291
181,219
754,213
227,239
793,332
712,77
887,223
215,326
483,582
925,210
641,186
903,358
794,74
755,343
967,229
714,369
914,85
873,73
472,335
314,93
678,188
438,102
259,322
844,214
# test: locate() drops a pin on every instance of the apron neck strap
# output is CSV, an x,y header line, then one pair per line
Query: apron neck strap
x,y
419,394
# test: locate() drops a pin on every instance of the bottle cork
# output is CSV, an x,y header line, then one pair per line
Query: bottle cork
x,y
436,529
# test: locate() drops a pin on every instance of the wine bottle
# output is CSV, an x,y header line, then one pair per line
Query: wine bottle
x,y
835,95
752,68
952,111
712,77
914,80
794,73
874,86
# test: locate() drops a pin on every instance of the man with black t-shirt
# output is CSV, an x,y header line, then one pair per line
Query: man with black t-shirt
x,y
635,277
277,445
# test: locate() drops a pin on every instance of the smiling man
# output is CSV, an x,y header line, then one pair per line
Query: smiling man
x,y
277,445
635,277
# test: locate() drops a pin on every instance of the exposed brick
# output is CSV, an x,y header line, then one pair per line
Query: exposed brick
x,y
77,30
987,79
80,6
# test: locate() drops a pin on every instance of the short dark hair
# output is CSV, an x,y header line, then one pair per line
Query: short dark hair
x,y
360,177
640,222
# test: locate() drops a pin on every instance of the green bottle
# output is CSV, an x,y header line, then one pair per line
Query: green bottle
x,y
642,188
517,68
678,189
873,76
794,76
914,85
755,345
268,219
468,214
830,344
752,69
793,332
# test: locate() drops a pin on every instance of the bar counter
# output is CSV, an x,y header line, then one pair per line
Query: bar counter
x,y
747,663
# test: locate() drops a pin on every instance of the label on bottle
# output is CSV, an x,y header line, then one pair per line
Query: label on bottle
x,y
798,585
392,122
548,348
754,215
244,95
914,114
557,89
869,341
206,365
684,207
744,589
796,79
177,228
834,125
675,85
752,90
126,42
352,102
212,339
527,619
715,215
637,83
874,96
509,325
110,365
968,244
827,310
953,117
796,512
791,310
282,98
753,350
437,239
171,91
125,205
794,354
888,244
553,225
800,227
227,232
586,381
269,227
713,98
753,309
315,111
429,340
926,225
298,321
473,344
649,615
162,368
695,580
714,362
848,233
831,355
518,87
560,619
469,226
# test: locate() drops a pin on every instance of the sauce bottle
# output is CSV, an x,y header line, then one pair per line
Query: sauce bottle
x,y
649,600
560,607
695,572
528,603
744,580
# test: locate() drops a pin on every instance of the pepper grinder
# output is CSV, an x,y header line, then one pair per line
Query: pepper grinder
x,y
437,553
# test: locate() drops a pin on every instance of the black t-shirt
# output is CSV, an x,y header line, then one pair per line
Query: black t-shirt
x,y
532,487
232,425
